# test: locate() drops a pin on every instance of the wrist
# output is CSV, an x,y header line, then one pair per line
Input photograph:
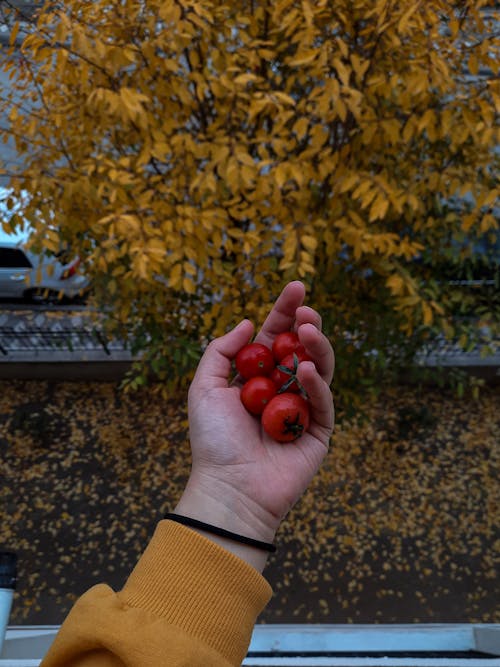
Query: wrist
x,y
219,505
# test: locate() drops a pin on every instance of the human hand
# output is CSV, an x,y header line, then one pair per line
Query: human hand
x,y
238,472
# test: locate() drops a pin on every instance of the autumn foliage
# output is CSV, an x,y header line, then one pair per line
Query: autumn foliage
x,y
199,154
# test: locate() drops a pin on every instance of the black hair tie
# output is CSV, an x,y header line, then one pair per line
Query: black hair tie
x,y
221,532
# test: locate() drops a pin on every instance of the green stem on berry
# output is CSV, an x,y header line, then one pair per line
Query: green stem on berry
x,y
293,378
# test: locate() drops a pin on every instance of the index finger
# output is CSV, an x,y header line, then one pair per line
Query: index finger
x,y
282,315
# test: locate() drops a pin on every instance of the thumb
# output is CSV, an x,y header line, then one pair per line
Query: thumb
x,y
215,365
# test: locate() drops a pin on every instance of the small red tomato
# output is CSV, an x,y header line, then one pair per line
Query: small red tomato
x,y
286,417
254,359
286,343
281,377
257,393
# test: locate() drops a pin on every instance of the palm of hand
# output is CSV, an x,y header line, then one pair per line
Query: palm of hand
x,y
229,444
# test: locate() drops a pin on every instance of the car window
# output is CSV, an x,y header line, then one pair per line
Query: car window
x,y
13,258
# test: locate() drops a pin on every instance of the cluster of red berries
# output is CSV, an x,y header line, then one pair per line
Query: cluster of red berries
x,y
272,390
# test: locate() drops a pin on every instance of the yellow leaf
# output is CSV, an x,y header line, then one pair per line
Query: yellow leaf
x,y
243,79
359,66
341,109
406,301
487,223
357,219
300,127
342,47
379,208
14,33
427,314
281,175
284,98
219,153
318,137
391,129
188,285
132,100
429,118
368,197
297,173
174,277
243,157
290,246
232,173
307,268
357,249
309,242
304,58
395,283
286,264
454,27
343,71
413,202
248,176
347,183
362,188
61,32
141,265
405,19
473,64
156,247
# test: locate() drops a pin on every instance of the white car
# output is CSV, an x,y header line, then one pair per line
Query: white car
x,y
26,275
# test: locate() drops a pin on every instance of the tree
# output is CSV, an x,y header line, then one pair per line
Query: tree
x,y
198,154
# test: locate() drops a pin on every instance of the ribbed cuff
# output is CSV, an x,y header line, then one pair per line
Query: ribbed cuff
x,y
197,585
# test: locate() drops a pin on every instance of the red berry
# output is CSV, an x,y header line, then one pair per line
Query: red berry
x,y
254,359
286,417
256,394
286,343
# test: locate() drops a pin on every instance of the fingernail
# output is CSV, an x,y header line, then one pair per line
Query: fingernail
x,y
240,324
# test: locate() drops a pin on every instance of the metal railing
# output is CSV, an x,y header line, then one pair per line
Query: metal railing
x,y
13,340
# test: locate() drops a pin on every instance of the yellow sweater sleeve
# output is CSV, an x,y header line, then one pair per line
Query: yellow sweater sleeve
x,y
187,602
